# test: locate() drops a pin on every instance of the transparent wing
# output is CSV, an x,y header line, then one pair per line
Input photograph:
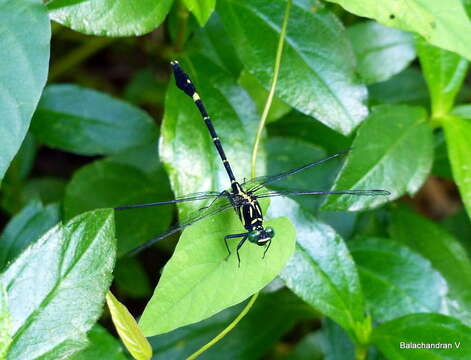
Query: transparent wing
x,y
189,197
334,192
221,203
257,183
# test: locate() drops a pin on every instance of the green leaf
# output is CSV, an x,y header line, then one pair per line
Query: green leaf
x,y
381,51
443,24
202,9
395,280
444,252
275,312
113,17
297,125
457,133
25,34
441,163
186,148
198,281
407,87
102,345
88,122
381,158
131,278
445,72
321,271
5,323
317,74
258,93
104,183
58,281
393,337
25,228
128,330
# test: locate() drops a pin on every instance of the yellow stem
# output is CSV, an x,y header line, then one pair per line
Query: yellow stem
x,y
226,330
271,94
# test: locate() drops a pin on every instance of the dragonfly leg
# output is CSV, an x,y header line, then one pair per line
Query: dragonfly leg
x,y
233,236
239,246
224,193
268,246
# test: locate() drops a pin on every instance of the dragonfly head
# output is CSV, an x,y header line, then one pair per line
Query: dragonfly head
x,y
182,80
261,236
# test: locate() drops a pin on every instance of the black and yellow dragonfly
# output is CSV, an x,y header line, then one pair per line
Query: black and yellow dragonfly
x,y
242,197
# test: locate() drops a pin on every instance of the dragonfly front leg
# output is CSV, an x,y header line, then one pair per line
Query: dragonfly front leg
x,y
268,246
234,236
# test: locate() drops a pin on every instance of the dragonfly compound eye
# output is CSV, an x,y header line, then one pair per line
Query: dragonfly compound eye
x,y
254,235
270,232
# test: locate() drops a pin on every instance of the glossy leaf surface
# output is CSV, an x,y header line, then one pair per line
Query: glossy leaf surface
x,y
25,34
444,252
318,64
85,121
198,282
58,281
102,345
444,72
202,9
426,329
381,51
112,17
443,24
25,228
458,135
396,281
321,270
383,160
104,183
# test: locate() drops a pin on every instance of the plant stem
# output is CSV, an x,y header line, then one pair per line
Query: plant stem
x,y
78,55
276,71
360,352
226,330
182,24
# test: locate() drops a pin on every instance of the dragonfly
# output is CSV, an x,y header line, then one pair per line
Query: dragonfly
x,y
242,197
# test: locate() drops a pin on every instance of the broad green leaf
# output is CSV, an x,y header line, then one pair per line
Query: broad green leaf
x,y
104,183
407,87
5,323
145,88
458,135
128,330
25,228
214,42
381,158
25,34
56,4
444,252
131,278
60,281
321,270
459,225
276,313
395,338
441,23
441,162
317,74
202,9
308,348
284,154
335,341
102,345
88,122
396,281
198,281
300,126
112,17
186,148
381,51
144,158
259,94
445,72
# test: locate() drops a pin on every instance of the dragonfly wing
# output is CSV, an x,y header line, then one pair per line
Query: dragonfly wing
x,y
220,204
189,197
256,184
334,192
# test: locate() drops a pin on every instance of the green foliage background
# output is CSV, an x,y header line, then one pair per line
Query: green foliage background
x,y
90,119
